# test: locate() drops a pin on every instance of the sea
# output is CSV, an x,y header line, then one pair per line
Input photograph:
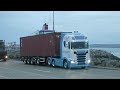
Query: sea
x,y
114,51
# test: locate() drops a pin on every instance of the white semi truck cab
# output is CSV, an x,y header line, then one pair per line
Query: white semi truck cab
x,y
74,51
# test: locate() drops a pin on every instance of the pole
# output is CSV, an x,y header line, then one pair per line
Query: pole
x,y
54,31
53,21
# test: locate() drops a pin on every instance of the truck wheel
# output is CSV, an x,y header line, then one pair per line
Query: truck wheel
x,y
53,63
28,61
25,61
65,64
83,67
22,59
48,63
86,68
5,60
38,62
32,62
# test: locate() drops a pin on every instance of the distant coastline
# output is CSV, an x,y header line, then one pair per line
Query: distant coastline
x,y
93,46
104,45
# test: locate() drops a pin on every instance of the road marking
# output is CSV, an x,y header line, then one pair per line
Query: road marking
x,y
41,70
4,77
33,73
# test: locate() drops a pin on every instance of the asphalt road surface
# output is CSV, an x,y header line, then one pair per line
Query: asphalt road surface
x,y
15,69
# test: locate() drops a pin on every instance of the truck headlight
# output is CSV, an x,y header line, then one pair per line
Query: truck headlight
x,y
88,61
6,56
72,61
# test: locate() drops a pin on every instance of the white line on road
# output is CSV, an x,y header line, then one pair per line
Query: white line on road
x,y
41,70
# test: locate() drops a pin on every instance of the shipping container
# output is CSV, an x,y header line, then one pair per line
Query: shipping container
x,y
43,45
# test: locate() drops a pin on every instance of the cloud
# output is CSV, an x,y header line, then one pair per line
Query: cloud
x,y
99,26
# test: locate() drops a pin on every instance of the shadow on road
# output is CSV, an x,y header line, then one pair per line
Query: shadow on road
x,y
57,67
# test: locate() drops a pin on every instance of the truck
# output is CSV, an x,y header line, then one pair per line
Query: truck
x,y
3,52
62,49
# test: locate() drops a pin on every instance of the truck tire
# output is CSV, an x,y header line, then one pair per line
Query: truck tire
x,y
22,59
53,63
83,67
86,68
37,62
25,61
28,61
48,63
65,64
32,62
5,60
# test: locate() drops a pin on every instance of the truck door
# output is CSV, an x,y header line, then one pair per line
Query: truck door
x,y
64,53
70,51
67,50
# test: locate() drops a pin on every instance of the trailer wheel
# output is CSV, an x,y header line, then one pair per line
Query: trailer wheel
x,y
25,61
28,61
32,62
37,61
22,59
53,63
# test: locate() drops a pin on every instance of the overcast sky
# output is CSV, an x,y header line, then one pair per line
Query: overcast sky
x,y
101,27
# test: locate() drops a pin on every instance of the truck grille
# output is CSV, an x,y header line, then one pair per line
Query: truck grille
x,y
81,58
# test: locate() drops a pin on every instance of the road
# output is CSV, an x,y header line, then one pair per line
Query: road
x,y
15,69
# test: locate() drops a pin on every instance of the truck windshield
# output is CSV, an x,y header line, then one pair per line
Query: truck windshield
x,y
79,45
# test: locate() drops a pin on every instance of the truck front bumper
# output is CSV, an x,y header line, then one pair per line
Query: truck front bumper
x,y
75,65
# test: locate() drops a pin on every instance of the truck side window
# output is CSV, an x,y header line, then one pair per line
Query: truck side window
x,y
64,44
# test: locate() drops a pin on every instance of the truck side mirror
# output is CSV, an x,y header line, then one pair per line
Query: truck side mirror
x,y
68,45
